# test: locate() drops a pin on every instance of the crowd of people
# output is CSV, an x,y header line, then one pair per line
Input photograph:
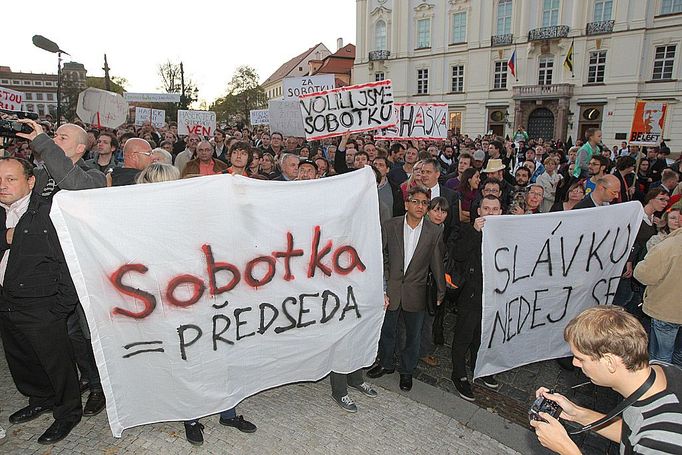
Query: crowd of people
x,y
434,198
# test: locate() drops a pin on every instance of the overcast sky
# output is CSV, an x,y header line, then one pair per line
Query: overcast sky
x,y
211,38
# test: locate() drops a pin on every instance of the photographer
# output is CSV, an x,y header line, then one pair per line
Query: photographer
x,y
64,167
610,346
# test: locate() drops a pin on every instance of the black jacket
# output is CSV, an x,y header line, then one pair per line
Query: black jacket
x,y
464,247
36,273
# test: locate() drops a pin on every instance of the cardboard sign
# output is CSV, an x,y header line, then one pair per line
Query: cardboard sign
x,y
285,117
191,322
293,87
156,117
152,97
101,108
202,123
531,290
648,123
259,117
355,108
423,121
11,99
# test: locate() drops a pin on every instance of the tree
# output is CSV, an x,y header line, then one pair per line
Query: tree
x,y
243,94
173,80
118,84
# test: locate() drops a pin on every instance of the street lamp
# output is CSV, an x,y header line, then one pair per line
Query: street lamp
x,y
50,46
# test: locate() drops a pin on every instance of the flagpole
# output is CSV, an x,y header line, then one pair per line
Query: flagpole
x,y
572,59
516,73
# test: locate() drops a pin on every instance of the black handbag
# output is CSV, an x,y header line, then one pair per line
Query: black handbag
x,y
430,294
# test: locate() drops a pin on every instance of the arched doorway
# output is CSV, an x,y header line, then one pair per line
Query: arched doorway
x,y
541,124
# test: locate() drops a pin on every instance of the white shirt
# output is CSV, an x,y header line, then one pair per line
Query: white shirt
x,y
13,213
410,239
435,191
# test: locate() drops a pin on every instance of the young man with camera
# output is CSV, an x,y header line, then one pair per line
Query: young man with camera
x,y
610,346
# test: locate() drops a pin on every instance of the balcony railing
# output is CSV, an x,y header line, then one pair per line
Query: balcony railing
x,y
597,28
543,91
379,55
501,40
554,32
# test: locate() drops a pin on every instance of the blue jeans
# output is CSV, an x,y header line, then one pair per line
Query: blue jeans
x,y
387,341
665,342
225,415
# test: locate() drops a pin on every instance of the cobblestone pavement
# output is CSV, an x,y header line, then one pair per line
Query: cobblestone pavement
x,y
294,419
517,390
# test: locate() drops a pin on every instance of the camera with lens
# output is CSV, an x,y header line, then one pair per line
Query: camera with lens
x,y
9,127
542,404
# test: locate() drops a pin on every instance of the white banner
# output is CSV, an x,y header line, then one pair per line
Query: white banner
x,y
101,108
293,87
234,307
259,116
196,122
11,99
355,108
540,271
156,117
421,121
152,97
285,117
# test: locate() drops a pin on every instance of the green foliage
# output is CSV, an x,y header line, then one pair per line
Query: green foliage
x,y
243,94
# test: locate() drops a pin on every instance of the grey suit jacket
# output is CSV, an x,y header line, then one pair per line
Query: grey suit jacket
x,y
407,288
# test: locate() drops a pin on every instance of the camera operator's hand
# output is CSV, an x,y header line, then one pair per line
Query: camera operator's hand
x,y
37,129
570,411
552,435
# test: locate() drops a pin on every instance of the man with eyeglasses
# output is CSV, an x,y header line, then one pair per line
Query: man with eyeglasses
x,y
137,155
607,189
412,246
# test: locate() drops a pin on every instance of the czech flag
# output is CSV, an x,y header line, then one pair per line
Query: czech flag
x,y
511,64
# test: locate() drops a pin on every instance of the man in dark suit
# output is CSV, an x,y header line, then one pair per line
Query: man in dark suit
x,y
607,189
430,176
36,297
412,246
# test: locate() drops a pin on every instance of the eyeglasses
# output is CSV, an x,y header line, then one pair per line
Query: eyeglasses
x,y
149,153
419,202
663,199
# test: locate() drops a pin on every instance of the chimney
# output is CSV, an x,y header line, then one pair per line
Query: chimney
x,y
339,43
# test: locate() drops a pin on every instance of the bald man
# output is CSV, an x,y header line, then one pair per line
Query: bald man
x,y
607,189
137,155
63,167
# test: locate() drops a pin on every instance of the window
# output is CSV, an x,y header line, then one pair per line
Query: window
x,y
380,36
422,81
30,107
37,82
4,81
48,84
663,62
457,79
456,122
504,17
50,96
602,10
27,82
500,80
596,67
545,69
423,33
379,76
671,6
39,96
550,13
16,82
41,109
459,27
29,96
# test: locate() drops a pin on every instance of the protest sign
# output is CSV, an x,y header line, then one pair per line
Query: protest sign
x,y
152,97
648,123
293,87
540,271
101,108
259,294
355,108
259,117
11,99
196,122
156,117
285,117
427,121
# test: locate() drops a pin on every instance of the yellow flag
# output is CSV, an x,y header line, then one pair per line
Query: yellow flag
x,y
568,61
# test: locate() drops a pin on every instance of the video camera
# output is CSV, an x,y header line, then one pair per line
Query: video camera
x,y
10,128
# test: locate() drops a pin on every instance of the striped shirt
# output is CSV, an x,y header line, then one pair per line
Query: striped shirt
x,y
654,425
